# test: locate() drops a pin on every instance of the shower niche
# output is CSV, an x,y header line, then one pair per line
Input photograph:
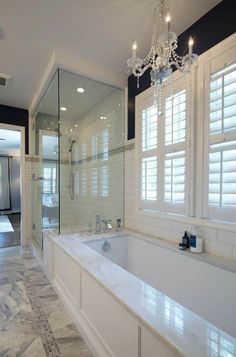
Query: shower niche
x,y
78,155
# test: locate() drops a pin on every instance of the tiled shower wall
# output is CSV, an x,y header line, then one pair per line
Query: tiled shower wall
x,y
97,163
217,241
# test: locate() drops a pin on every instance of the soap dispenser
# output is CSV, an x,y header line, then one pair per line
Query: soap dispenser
x,y
196,243
185,240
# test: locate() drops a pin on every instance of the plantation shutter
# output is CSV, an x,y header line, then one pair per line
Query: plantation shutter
x,y
222,140
175,151
163,148
148,155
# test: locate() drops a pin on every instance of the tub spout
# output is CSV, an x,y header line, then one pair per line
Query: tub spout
x,y
108,225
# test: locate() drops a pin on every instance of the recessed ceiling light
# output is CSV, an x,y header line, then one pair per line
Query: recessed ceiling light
x,y
80,90
63,109
76,125
103,118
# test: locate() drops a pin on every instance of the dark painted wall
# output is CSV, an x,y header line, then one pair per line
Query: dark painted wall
x,y
218,24
16,116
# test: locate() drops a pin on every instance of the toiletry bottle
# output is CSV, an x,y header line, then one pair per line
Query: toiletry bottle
x,y
118,224
182,246
196,243
185,240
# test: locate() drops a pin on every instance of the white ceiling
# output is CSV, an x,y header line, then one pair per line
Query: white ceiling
x,y
11,143
99,33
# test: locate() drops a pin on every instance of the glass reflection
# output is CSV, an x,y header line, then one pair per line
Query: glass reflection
x,y
94,122
218,344
173,314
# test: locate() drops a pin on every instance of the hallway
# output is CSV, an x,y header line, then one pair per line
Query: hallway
x,y
33,322
11,239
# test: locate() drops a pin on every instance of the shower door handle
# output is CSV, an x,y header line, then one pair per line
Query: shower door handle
x,y
38,178
41,178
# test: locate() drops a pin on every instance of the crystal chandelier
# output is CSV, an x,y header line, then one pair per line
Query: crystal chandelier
x,y
162,57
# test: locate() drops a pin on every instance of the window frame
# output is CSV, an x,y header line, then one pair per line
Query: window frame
x,y
198,209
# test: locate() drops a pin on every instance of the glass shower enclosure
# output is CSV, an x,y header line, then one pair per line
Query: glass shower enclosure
x,y
78,155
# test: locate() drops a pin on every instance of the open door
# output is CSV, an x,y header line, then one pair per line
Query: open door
x,y
45,185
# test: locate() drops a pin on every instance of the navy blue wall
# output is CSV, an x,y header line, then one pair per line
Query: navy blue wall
x,y
218,24
16,116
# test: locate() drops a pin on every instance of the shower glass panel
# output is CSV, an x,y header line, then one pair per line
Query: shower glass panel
x,y
45,163
91,152
78,156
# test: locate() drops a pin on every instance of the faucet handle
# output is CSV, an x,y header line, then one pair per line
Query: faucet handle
x,y
109,224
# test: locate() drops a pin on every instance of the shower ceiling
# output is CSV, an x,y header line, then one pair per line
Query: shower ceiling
x,y
77,104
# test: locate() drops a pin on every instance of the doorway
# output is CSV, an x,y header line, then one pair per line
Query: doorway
x,y
11,185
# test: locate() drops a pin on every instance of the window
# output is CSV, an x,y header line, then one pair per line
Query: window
x,y
218,344
164,149
94,145
50,178
83,151
222,144
84,182
105,144
104,181
94,182
186,157
77,182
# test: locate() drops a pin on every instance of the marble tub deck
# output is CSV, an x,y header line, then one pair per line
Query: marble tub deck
x,y
33,321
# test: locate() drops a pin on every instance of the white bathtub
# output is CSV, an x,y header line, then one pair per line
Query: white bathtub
x,y
203,288
143,298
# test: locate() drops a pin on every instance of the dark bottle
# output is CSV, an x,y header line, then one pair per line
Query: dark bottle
x,y
185,239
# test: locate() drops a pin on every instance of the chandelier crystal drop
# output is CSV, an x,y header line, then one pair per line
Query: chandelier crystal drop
x,y
162,57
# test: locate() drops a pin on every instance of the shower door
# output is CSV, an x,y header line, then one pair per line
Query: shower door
x,y
45,164
36,201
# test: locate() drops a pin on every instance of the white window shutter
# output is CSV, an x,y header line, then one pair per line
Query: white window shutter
x,y
222,144
162,149
175,185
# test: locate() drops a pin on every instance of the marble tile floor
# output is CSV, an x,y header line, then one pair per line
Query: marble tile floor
x,y
33,322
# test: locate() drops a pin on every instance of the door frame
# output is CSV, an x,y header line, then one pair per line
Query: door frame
x,y
23,205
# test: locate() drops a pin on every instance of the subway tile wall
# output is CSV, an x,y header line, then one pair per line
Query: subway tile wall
x,y
216,241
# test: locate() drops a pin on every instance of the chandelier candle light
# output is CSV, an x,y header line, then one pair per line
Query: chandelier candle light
x,y
162,58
